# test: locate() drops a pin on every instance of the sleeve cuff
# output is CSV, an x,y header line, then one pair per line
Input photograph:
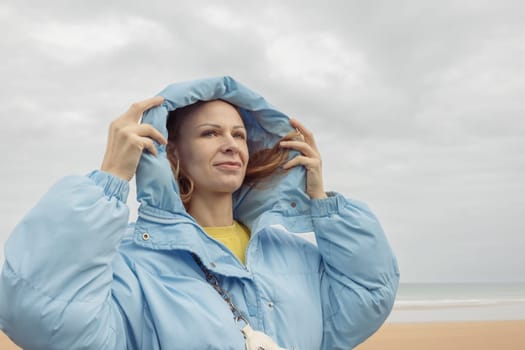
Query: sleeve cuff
x,y
113,186
327,206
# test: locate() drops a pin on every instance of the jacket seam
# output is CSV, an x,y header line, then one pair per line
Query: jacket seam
x,y
372,290
109,340
13,275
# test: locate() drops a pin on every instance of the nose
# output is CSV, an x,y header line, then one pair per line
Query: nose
x,y
230,145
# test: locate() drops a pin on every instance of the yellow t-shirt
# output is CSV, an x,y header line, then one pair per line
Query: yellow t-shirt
x,y
235,237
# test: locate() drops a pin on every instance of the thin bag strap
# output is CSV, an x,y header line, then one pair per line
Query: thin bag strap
x,y
254,339
212,279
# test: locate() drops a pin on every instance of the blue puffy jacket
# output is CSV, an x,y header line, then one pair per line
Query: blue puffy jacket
x,y
77,276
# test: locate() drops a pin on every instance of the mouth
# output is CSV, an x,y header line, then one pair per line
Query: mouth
x,y
228,165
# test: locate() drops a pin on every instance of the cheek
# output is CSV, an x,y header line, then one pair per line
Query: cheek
x,y
245,154
188,159
196,159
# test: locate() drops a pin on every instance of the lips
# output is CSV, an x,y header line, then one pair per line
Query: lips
x,y
228,164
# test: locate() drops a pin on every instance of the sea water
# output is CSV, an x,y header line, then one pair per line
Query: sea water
x,y
428,302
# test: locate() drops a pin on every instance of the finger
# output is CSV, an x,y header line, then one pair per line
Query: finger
x,y
307,162
136,110
308,136
154,101
302,129
148,130
149,145
300,146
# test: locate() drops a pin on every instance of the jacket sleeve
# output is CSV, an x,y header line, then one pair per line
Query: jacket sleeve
x,y
360,275
55,287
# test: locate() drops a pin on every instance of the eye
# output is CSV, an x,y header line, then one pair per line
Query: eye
x,y
240,135
209,133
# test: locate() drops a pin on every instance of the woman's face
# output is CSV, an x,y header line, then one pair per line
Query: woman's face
x,y
212,148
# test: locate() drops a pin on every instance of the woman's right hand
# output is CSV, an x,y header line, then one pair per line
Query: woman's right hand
x,y
127,140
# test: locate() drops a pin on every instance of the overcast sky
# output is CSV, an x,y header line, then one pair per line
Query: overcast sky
x,y
418,106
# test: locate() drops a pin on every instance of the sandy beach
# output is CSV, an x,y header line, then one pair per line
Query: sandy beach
x,y
6,343
501,335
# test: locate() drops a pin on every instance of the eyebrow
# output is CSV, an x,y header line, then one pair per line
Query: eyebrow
x,y
218,126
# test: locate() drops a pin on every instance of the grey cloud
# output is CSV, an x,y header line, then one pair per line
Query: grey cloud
x,y
416,105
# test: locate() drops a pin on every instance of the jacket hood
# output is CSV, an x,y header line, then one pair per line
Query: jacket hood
x,y
157,190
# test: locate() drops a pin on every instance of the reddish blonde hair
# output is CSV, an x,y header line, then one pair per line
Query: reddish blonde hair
x,y
262,164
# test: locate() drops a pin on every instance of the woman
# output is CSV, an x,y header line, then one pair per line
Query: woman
x,y
184,276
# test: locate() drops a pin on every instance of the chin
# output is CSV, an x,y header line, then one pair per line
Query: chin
x,y
231,187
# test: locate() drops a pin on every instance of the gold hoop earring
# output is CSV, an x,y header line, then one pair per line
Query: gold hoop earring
x,y
177,169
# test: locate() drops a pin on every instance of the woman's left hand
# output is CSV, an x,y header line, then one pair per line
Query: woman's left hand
x,y
310,158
